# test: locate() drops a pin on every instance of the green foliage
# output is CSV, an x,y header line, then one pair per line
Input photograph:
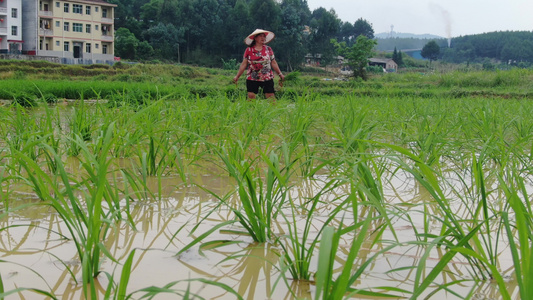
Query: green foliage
x,y
363,27
25,99
357,55
431,51
293,76
49,98
126,44
231,64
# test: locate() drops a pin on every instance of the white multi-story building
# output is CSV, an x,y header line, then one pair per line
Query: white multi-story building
x,y
77,31
11,26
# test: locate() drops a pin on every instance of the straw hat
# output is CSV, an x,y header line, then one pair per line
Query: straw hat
x,y
250,38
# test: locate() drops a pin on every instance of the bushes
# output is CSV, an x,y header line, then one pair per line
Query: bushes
x,y
24,100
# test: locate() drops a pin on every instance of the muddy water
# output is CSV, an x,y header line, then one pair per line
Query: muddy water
x,y
36,254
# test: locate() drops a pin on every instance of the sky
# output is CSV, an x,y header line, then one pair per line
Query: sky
x,y
446,18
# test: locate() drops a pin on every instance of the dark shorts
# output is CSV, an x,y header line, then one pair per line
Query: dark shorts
x,y
253,86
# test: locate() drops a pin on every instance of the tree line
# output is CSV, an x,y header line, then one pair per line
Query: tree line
x,y
207,32
508,47
514,48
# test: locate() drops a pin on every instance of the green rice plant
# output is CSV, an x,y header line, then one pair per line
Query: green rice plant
x,y
24,100
342,287
49,123
519,232
261,201
81,124
429,141
133,98
350,129
86,219
452,225
23,134
298,253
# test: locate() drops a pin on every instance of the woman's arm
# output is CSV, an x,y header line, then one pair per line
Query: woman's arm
x,y
276,68
242,67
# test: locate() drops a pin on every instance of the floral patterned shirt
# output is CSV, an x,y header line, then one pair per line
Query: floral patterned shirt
x,y
259,63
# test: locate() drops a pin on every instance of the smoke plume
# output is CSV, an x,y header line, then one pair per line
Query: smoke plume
x,y
445,15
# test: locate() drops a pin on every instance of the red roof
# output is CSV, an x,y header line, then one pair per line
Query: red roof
x,y
96,1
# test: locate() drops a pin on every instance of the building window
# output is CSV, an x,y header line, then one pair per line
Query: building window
x,y
66,46
77,8
77,27
87,10
66,26
57,43
58,24
58,4
96,46
104,12
14,30
104,49
65,7
88,48
96,27
88,28
96,9
14,13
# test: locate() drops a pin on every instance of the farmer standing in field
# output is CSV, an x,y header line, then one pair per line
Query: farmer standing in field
x,y
260,61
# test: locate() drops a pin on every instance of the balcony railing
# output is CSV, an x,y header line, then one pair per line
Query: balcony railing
x,y
3,10
3,30
107,20
45,32
46,13
107,38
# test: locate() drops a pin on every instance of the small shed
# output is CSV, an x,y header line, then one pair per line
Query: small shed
x,y
386,63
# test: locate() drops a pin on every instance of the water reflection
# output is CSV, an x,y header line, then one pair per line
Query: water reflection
x,y
163,225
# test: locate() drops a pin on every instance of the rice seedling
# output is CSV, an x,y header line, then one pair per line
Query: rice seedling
x,y
341,287
260,200
350,128
301,242
519,232
81,124
24,100
86,219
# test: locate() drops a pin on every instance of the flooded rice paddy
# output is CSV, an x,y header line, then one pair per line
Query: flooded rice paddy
x,y
36,253
169,202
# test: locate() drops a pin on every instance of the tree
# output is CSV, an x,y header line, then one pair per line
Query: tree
x,y
165,40
265,14
362,27
346,33
290,50
357,55
431,51
400,59
397,56
125,44
325,25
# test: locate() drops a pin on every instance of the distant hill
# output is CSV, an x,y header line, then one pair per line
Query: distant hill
x,y
394,34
